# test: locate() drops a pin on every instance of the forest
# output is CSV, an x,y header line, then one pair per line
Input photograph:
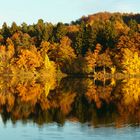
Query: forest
x,y
102,43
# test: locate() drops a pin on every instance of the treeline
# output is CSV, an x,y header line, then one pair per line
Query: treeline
x,y
109,41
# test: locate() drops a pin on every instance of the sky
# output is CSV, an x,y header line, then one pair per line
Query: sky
x,y
54,11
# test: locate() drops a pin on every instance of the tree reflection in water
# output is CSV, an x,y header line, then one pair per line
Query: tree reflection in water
x,y
74,99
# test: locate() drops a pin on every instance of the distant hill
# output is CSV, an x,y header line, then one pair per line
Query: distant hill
x,y
126,17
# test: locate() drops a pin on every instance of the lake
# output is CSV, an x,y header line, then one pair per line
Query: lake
x,y
70,108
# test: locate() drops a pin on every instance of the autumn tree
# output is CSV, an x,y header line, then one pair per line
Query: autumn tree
x,y
92,58
131,62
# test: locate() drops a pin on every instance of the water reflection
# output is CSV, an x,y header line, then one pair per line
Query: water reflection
x,y
94,103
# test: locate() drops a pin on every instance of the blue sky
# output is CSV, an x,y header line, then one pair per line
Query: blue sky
x,y
54,11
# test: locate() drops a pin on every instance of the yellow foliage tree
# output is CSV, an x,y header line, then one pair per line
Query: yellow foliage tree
x,y
131,91
131,62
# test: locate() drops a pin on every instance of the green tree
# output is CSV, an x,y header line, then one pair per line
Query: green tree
x,y
59,31
24,27
5,31
14,28
133,25
106,34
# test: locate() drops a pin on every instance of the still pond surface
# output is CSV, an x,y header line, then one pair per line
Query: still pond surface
x,y
73,108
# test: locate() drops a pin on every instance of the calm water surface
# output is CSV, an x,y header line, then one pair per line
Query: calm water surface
x,y
79,109
69,131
